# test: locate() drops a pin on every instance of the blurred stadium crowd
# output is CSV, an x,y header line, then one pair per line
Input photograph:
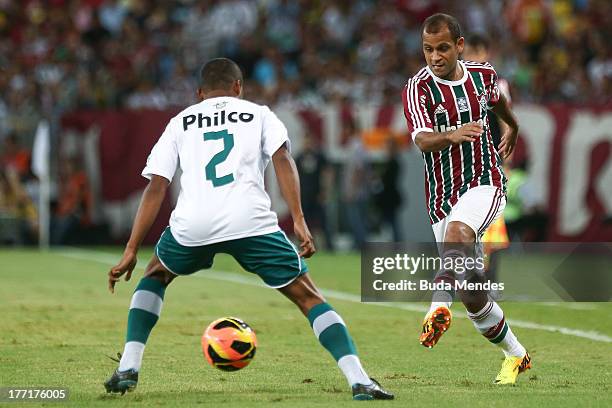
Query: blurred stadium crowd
x,y
61,55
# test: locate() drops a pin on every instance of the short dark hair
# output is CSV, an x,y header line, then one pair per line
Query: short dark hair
x,y
437,22
219,73
477,40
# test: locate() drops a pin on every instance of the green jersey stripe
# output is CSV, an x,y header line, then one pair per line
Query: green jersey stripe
x,y
477,80
437,95
466,147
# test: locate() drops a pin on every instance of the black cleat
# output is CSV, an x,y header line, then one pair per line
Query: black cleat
x,y
370,392
122,381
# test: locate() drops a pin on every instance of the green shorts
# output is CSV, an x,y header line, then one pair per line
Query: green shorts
x,y
272,256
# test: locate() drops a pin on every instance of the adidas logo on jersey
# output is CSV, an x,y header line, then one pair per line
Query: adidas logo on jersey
x,y
440,110
218,119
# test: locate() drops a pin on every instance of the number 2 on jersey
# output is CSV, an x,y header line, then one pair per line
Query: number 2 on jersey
x,y
211,167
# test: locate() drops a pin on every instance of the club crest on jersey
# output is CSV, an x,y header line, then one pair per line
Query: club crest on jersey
x,y
482,100
462,104
220,105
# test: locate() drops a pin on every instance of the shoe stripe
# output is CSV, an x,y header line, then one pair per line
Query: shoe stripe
x,y
363,397
525,363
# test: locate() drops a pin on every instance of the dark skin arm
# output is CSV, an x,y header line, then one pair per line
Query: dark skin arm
x,y
289,183
148,209
510,132
436,141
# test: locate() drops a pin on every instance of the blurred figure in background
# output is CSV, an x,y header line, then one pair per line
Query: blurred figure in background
x,y
531,23
15,156
356,185
527,221
18,215
389,199
476,49
316,177
147,96
495,238
74,206
513,212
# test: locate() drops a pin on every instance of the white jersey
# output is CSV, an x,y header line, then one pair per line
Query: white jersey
x,y
223,146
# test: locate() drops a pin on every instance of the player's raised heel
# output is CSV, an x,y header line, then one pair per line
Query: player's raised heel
x,y
434,326
511,368
372,391
122,381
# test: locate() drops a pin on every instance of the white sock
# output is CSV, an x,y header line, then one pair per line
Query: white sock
x,y
440,298
353,371
132,356
490,322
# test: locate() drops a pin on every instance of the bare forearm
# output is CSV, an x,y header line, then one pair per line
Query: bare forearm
x,y
436,141
151,201
432,141
288,181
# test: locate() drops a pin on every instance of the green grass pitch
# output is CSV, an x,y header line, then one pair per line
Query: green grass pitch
x,y
59,321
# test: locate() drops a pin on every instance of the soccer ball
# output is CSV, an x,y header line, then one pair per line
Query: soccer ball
x,y
229,344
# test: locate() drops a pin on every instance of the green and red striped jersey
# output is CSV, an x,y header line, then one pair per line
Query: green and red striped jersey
x,y
432,104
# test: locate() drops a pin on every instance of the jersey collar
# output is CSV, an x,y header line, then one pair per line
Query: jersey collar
x,y
451,83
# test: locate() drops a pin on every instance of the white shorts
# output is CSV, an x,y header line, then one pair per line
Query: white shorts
x,y
478,208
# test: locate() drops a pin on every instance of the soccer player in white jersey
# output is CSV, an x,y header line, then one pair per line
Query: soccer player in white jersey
x,y
223,145
446,105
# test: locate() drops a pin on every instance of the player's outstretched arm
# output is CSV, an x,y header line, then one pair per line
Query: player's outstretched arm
x,y
148,209
510,135
436,141
289,183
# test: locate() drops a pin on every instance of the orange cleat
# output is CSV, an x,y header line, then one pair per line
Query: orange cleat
x,y
434,326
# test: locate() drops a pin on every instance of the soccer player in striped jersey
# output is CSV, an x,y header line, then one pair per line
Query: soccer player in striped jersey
x,y
446,106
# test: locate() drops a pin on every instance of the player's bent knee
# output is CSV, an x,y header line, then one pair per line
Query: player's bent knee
x,y
303,293
306,299
459,232
162,276
156,270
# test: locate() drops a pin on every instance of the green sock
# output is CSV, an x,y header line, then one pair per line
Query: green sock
x,y
144,312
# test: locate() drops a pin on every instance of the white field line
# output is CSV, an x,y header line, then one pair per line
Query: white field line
x,y
569,305
111,259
